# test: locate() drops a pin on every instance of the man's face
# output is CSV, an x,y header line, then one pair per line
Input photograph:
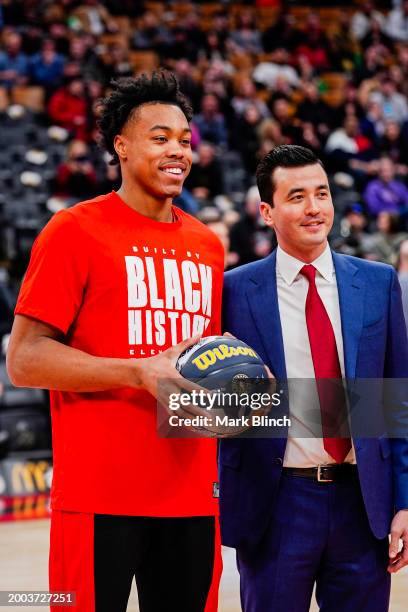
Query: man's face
x,y
209,105
302,212
13,43
155,150
206,154
386,171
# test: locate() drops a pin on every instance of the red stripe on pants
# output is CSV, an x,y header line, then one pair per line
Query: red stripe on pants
x,y
71,561
212,599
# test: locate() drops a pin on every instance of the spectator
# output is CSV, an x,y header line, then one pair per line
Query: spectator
x,y
402,268
216,81
210,122
250,239
47,66
246,37
111,179
376,36
267,73
76,177
352,232
13,62
372,123
213,219
270,130
374,60
214,47
314,44
246,139
187,38
184,71
93,17
282,34
386,193
393,103
384,244
347,142
118,64
314,110
151,34
309,138
82,60
397,23
58,32
205,178
283,112
402,59
362,19
351,105
68,108
246,96
220,25
394,145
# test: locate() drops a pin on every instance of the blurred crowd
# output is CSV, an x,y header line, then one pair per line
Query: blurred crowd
x,y
258,74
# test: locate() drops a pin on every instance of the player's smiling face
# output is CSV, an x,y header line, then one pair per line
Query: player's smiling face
x,y
155,149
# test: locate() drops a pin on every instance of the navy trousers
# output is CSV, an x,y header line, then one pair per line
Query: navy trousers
x,y
319,535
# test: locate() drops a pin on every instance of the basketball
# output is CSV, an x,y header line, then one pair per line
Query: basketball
x,y
218,361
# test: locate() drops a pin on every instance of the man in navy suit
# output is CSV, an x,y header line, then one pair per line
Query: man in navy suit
x,y
306,511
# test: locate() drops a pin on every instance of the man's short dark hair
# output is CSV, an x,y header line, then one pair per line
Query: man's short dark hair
x,y
283,156
128,94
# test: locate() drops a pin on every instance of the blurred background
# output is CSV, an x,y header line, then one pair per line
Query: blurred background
x,y
330,76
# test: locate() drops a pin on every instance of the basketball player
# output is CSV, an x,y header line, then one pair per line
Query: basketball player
x,y
115,288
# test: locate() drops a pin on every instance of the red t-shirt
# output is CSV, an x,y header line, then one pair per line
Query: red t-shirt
x,y
119,284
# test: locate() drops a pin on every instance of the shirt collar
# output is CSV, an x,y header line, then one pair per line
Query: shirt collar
x,y
289,267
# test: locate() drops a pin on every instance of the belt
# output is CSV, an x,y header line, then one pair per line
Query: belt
x,y
336,472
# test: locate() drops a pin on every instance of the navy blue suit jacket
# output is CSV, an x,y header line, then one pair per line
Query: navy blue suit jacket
x,y
375,346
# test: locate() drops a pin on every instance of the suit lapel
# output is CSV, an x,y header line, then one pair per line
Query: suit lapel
x,y
351,299
263,303
262,298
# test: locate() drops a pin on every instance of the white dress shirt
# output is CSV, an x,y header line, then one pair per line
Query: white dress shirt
x,y
292,291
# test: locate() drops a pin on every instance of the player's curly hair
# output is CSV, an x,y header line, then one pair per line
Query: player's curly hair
x,y
130,93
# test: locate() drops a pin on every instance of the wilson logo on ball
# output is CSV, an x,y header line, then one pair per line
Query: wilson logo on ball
x,y
219,353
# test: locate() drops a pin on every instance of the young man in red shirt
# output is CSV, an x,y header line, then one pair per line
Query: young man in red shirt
x,y
115,290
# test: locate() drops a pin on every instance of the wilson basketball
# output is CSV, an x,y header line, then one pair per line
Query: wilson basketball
x,y
218,361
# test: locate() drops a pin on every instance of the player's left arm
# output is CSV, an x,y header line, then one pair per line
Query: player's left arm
x,y
396,367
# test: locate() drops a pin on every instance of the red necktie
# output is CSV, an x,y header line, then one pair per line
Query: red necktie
x,y
326,365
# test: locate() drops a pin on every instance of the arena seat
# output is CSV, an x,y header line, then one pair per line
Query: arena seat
x,y
146,60
31,97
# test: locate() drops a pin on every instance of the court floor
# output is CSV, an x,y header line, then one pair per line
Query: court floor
x,y
23,566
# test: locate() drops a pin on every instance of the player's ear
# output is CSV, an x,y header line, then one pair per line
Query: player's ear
x,y
120,146
267,215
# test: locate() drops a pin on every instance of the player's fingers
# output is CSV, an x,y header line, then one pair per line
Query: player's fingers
x,y
175,351
270,375
394,543
393,568
187,385
185,344
228,335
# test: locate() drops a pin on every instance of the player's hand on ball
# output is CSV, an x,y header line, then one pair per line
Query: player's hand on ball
x,y
162,367
160,377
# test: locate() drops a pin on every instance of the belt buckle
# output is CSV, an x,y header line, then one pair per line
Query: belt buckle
x,y
319,474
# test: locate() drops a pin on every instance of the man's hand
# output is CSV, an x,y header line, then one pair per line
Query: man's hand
x,y
399,530
163,367
159,376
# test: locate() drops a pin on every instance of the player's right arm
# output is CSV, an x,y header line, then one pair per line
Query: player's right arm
x,y
38,357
